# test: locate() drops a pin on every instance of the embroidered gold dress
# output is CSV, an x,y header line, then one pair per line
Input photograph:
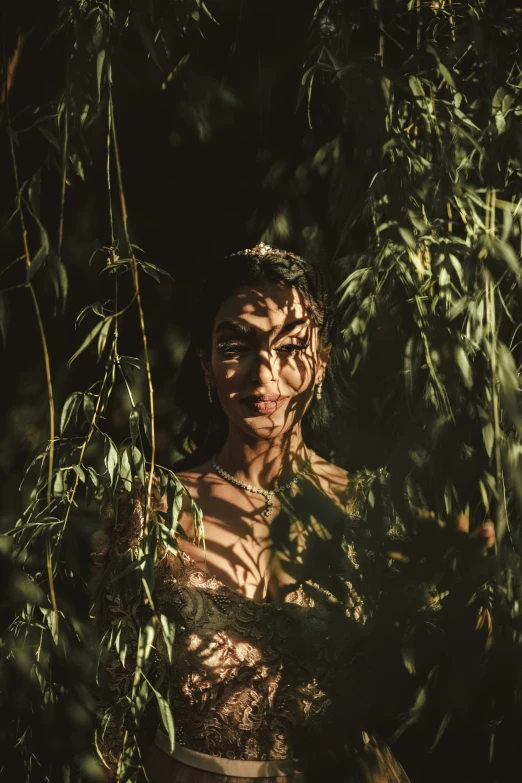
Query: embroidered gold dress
x,y
252,681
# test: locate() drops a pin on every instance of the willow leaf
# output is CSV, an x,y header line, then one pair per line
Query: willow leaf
x,y
69,409
88,340
166,718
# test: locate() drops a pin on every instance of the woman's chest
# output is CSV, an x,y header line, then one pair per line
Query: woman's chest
x,y
259,557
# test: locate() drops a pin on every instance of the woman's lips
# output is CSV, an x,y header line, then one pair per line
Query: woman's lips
x,y
263,405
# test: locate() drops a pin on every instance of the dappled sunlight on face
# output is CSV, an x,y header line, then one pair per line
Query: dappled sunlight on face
x,y
266,359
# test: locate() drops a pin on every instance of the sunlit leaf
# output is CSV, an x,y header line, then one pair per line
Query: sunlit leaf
x,y
166,718
100,61
134,425
88,340
37,262
125,473
168,628
70,408
464,366
138,463
111,458
102,337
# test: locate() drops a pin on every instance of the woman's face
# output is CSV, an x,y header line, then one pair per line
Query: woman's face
x,y
265,359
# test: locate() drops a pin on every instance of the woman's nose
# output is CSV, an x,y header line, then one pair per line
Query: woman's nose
x,y
264,370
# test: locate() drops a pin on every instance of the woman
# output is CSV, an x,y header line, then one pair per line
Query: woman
x,y
270,610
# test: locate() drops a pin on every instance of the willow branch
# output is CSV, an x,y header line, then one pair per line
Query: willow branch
x,y
89,435
381,41
10,71
64,180
45,348
495,405
41,329
136,281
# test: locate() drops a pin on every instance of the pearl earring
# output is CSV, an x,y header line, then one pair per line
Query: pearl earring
x,y
319,390
209,390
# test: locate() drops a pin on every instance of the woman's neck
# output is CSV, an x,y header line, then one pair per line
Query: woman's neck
x,y
263,463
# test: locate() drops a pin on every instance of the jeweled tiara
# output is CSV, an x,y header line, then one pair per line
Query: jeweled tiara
x,y
259,250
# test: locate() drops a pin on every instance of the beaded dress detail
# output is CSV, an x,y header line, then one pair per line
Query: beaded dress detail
x,y
252,680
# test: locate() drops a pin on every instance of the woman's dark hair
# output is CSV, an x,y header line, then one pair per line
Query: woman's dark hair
x,y
205,425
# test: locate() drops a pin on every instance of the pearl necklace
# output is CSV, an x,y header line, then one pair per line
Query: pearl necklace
x,y
268,494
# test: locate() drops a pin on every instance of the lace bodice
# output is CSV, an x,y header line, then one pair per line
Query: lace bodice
x,y
247,675
250,680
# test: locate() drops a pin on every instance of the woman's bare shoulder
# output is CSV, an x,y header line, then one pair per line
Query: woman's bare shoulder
x,y
330,472
347,487
196,480
335,481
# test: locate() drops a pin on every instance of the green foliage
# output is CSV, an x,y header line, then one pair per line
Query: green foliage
x,y
444,233
440,267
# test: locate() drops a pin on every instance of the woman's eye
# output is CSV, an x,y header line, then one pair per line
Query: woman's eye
x,y
291,347
232,348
